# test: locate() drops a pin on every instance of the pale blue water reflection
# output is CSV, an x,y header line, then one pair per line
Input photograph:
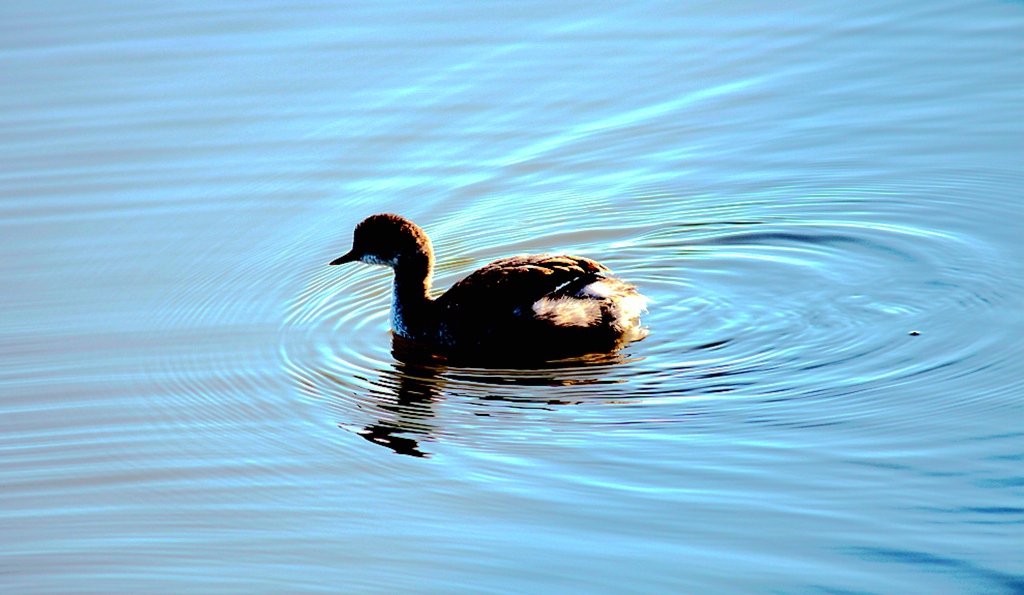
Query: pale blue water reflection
x,y
192,400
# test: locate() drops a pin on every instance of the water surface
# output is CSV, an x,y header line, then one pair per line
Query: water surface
x,y
190,399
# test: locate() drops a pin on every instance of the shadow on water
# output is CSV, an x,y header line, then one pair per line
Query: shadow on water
x,y
996,581
404,397
415,390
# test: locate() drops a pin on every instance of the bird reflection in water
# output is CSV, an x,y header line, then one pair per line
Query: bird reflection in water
x,y
409,391
416,386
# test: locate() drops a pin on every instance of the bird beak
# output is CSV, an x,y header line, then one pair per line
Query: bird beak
x,y
350,256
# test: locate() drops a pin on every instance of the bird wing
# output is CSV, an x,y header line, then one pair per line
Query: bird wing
x,y
504,291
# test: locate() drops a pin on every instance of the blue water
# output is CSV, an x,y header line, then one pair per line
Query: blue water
x,y
192,401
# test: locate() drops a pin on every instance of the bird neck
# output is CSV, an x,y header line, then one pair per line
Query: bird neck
x,y
411,305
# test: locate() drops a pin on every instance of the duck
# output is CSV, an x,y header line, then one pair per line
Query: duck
x,y
526,307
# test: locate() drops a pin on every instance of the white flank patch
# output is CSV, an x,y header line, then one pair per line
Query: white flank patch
x,y
597,289
587,307
568,311
631,306
628,316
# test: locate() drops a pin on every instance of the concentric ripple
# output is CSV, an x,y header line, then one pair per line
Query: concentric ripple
x,y
822,199
749,312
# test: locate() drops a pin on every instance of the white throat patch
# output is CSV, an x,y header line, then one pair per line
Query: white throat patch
x,y
374,259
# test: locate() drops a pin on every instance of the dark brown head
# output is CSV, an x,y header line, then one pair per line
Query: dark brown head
x,y
389,240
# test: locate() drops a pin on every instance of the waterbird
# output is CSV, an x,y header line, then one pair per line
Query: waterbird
x,y
526,307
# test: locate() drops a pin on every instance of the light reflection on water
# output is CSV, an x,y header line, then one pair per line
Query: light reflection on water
x,y
192,399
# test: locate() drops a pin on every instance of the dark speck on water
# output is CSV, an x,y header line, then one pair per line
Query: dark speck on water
x,y
192,401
